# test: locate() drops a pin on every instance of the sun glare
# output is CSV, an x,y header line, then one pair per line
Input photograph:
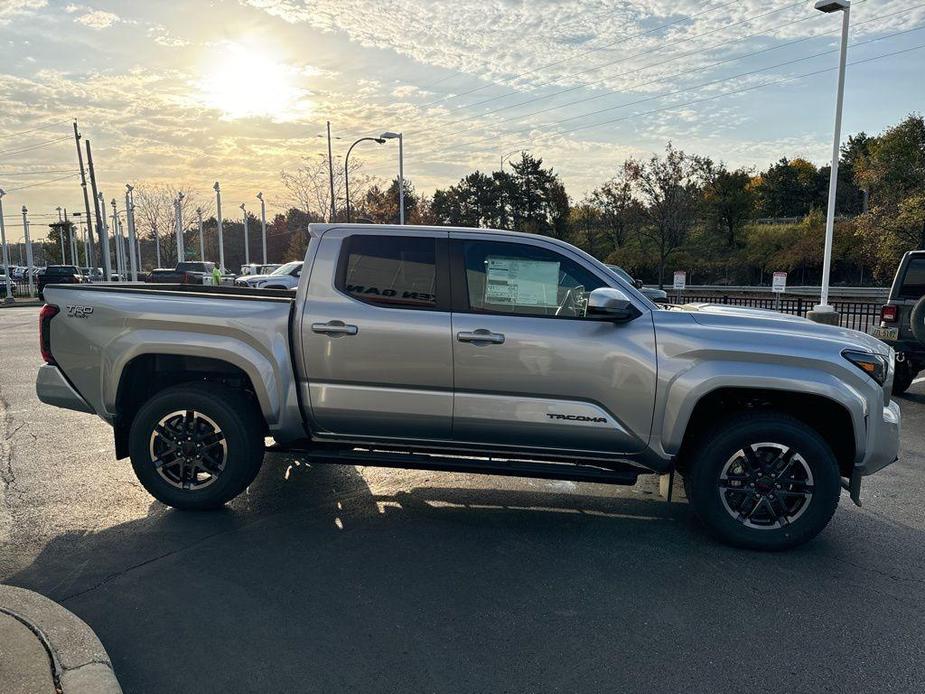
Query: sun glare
x,y
243,82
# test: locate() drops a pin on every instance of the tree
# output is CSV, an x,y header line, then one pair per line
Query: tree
x,y
382,206
728,198
618,209
893,171
310,186
155,212
790,188
669,195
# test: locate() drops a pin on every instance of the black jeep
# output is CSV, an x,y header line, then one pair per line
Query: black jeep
x,y
902,320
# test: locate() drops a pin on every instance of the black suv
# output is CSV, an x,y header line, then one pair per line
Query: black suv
x,y
902,320
58,274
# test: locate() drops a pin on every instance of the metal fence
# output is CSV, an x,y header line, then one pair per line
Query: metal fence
x,y
857,315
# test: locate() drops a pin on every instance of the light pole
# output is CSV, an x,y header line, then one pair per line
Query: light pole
x,y
134,259
117,239
25,227
218,214
247,252
157,244
380,140
263,224
104,237
823,312
61,237
6,254
202,241
181,256
388,135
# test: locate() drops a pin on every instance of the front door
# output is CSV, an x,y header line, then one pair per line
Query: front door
x,y
529,368
376,341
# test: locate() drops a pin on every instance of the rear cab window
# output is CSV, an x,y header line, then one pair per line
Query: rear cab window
x,y
391,271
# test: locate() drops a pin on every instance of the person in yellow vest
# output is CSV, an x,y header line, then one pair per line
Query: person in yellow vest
x,y
216,276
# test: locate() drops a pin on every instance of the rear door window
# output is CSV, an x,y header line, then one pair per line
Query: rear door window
x,y
913,285
390,271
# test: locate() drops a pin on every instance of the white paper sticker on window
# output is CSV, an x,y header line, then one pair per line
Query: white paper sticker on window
x,y
517,282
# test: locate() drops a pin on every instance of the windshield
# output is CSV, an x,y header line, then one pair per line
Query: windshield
x,y
287,268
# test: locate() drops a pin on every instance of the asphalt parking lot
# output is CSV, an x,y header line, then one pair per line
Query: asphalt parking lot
x,y
343,579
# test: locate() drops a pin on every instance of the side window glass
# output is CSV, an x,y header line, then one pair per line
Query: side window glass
x,y
525,280
396,271
913,285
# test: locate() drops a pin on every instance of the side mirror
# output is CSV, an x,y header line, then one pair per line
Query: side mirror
x,y
638,283
611,304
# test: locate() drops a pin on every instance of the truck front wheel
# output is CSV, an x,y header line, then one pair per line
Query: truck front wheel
x,y
763,481
197,445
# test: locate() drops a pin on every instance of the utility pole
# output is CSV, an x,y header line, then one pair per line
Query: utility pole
x,y
6,254
263,219
218,213
132,239
202,241
25,228
330,178
247,251
83,185
181,255
100,217
104,237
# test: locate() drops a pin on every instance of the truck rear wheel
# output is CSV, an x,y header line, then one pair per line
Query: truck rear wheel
x,y
764,481
197,445
903,377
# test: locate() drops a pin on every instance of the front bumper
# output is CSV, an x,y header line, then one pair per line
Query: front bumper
x,y
882,447
53,389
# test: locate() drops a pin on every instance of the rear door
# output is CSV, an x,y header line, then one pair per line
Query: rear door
x,y
529,369
376,336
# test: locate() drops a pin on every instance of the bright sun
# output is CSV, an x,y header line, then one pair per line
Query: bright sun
x,y
243,82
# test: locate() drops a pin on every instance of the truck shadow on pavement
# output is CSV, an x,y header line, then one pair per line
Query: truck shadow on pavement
x,y
313,581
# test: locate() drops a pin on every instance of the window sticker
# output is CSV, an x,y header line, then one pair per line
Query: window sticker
x,y
519,282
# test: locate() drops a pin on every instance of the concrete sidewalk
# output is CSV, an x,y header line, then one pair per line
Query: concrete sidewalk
x,y
44,648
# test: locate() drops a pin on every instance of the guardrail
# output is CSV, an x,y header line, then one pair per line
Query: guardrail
x,y
872,293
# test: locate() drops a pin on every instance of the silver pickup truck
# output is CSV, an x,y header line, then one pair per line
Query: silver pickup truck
x,y
481,351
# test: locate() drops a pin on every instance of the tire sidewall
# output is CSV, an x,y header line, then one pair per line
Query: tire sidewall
x,y
744,430
223,407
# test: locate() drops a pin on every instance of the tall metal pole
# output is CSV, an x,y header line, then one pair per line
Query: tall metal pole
x,y
330,178
401,179
132,239
202,241
6,253
117,238
25,226
181,255
263,211
378,140
73,234
247,251
218,213
100,216
104,238
157,244
823,306
61,237
83,185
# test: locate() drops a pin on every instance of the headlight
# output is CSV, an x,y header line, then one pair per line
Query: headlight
x,y
874,365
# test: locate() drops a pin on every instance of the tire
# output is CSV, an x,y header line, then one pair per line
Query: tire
x,y
903,377
226,432
917,320
750,516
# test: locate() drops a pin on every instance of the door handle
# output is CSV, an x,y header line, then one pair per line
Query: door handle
x,y
334,327
481,336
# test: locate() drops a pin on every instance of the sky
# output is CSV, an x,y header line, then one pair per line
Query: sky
x,y
236,91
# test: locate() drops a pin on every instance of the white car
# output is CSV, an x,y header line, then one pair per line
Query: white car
x,y
284,277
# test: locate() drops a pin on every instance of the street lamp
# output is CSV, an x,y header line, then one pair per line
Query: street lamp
x,y
347,169
247,251
6,253
823,312
218,218
263,224
388,135
181,256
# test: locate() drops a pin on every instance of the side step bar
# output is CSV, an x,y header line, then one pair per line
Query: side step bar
x,y
620,473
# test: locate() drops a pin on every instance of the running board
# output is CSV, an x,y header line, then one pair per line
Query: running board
x,y
620,473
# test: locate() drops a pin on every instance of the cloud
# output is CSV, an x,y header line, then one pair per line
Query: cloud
x,y
98,19
9,9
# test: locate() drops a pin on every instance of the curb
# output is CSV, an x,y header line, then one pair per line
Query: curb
x,y
80,664
14,304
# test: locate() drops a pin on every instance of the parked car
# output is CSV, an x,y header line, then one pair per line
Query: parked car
x,y
256,269
902,320
183,273
284,277
658,295
478,351
58,274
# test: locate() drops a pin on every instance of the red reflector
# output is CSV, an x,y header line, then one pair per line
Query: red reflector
x,y
888,314
48,312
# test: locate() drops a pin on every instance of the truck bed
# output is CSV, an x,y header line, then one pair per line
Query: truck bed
x,y
199,290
